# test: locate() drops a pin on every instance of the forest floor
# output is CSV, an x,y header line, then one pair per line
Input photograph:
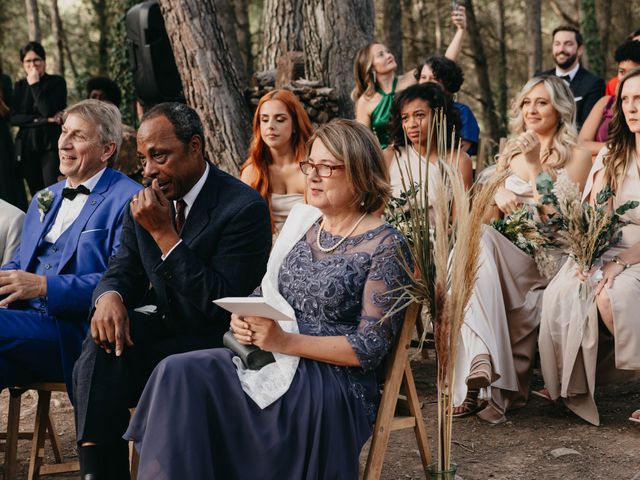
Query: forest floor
x,y
520,449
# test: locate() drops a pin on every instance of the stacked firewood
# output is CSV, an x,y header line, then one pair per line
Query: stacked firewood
x,y
321,103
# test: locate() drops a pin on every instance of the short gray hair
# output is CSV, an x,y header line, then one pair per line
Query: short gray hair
x,y
105,116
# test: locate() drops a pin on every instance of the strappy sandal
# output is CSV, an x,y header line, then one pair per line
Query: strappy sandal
x,y
491,415
469,405
480,374
635,419
543,394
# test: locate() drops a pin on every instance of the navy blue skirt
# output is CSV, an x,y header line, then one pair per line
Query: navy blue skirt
x,y
194,421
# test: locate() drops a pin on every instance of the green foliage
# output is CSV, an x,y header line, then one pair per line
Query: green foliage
x,y
544,184
119,66
586,230
589,29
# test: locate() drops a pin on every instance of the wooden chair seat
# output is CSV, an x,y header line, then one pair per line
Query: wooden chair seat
x,y
398,374
43,429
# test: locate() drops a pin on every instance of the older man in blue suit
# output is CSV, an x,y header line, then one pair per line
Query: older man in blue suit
x,y
70,231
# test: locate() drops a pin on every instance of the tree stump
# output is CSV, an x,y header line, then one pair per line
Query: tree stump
x,y
290,68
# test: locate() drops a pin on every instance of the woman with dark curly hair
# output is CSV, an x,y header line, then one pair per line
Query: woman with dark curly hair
x,y
377,80
449,76
411,116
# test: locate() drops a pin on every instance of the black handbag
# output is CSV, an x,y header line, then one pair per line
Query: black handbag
x,y
252,357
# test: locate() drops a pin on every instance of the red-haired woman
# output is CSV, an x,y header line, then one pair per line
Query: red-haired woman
x,y
281,128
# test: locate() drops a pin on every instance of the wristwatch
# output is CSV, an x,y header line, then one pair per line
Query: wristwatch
x,y
618,260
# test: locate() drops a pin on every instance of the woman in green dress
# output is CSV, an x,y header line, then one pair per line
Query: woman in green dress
x,y
377,81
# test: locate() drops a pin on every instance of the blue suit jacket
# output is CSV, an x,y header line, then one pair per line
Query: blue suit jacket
x,y
94,237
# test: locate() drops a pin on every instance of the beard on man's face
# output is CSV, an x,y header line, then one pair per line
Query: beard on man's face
x,y
567,63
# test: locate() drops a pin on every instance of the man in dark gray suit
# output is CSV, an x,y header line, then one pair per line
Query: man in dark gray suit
x,y
195,235
586,87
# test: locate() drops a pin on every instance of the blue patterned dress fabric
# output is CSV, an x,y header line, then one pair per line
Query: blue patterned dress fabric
x,y
318,427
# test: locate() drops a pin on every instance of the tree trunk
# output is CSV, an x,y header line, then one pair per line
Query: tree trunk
x,y
438,28
102,25
417,41
243,33
534,36
33,20
119,67
227,20
605,31
56,32
566,17
482,71
503,89
589,29
67,50
283,30
334,31
392,26
209,78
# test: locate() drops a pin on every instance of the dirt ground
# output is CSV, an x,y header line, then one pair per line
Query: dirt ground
x,y
519,450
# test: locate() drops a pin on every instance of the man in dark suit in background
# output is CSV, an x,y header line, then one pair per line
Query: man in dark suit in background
x,y
587,88
156,297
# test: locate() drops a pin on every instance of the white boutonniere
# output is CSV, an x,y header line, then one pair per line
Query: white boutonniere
x,y
44,199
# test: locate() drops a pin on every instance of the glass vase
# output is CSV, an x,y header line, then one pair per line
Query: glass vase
x,y
433,472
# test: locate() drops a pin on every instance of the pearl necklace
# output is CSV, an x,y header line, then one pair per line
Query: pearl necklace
x,y
331,249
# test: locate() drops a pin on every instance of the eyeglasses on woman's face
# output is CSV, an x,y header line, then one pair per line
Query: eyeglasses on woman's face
x,y
321,169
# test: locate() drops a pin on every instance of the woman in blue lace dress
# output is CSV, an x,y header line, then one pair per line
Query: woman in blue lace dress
x,y
195,418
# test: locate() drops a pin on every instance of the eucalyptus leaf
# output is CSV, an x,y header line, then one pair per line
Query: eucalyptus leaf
x,y
626,206
603,195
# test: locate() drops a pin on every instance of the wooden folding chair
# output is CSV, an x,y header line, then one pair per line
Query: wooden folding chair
x,y
42,430
398,373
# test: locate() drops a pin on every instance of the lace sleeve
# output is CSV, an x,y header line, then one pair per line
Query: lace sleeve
x,y
373,338
257,292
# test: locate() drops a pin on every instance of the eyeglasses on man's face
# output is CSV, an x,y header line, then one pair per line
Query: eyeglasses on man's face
x,y
321,169
35,61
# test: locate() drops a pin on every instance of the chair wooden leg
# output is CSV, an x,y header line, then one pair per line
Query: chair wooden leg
x,y
134,460
39,434
414,407
387,408
53,438
11,447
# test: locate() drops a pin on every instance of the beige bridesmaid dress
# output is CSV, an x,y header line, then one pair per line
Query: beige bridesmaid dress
x,y
574,349
281,205
512,322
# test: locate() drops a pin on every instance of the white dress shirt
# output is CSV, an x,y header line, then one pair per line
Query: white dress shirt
x,y
189,200
70,209
572,73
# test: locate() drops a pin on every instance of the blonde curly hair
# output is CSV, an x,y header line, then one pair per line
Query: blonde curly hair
x,y
566,135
